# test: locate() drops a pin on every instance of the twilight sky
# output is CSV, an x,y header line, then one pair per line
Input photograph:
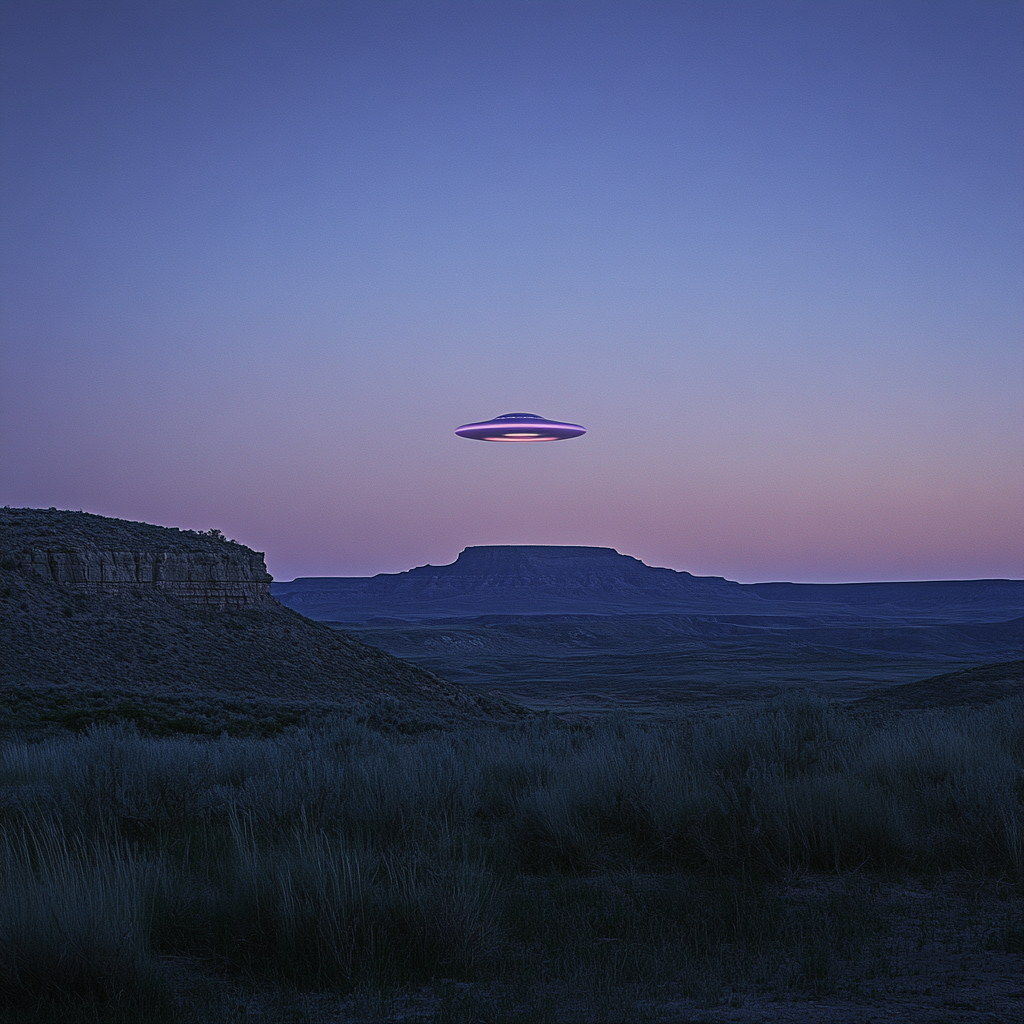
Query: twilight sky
x,y
261,259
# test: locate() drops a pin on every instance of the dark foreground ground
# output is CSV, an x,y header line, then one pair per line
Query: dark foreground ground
x,y
792,861
939,958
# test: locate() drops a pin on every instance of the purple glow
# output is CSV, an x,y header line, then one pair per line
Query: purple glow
x,y
510,427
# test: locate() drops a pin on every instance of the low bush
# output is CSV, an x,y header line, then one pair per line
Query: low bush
x,y
626,853
75,924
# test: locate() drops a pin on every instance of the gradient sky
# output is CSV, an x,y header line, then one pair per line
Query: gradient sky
x,y
261,259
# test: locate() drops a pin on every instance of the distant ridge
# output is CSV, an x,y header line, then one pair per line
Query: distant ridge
x,y
519,579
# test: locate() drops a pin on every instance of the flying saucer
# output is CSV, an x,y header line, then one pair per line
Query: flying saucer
x,y
520,426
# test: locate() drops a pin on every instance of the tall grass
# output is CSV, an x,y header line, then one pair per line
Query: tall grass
x,y
619,854
74,922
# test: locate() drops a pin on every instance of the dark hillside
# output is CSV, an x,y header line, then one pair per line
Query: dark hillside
x,y
24,529
72,654
983,684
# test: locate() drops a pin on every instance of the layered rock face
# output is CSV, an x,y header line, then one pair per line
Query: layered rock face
x,y
231,580
202,569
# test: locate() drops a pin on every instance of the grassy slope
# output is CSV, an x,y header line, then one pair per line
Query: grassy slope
x,y
982,684
58,530
72,659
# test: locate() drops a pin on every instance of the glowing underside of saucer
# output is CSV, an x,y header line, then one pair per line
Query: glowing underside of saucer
x,y
520,427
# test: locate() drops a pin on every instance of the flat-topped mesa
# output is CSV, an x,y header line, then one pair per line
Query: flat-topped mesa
x,y
94,554
564,565
514,579
564,556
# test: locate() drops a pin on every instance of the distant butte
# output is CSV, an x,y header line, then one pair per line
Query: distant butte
x,y
575,580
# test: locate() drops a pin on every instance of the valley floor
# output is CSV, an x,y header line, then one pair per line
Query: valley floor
x,y
658,663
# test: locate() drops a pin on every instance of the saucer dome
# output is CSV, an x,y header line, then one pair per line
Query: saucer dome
x,y
520,426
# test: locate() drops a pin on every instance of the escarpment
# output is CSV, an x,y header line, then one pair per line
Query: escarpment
x,y
116,556
218,579
109,620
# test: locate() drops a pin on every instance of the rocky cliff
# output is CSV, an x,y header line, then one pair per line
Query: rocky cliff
x,y
90,553
109,620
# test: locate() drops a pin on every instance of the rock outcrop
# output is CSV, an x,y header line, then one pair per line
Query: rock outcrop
x,y
107,620
118,556
230,580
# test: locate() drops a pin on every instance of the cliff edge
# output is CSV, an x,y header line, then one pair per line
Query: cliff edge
x,y
106,619
94,554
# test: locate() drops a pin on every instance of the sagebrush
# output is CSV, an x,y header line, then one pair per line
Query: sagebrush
x,y
620,853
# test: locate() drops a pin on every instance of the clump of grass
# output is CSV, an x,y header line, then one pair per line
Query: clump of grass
x,y
74,925
627,857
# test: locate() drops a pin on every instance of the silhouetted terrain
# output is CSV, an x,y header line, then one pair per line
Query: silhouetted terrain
x,y
375,849
512,580
105,619
120,646
983,684
635,661
563,580
584,627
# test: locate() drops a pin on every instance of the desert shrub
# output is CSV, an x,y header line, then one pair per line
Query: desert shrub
x,y
74,923
798,786
627,852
